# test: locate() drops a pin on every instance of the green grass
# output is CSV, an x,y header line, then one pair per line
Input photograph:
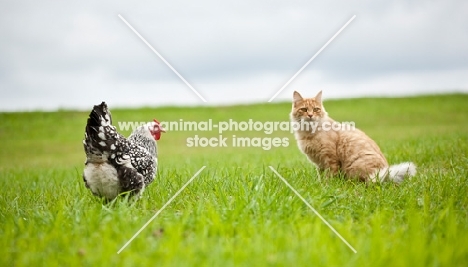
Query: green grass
x,y
237,212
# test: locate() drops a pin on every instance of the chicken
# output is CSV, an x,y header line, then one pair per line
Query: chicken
x,y
115,164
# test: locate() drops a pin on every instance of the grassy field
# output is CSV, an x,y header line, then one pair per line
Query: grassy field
x,y
237,212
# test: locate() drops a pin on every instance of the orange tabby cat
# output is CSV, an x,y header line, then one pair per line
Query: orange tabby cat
x,y
339,149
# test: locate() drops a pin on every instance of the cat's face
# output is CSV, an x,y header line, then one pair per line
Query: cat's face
x,y
307,109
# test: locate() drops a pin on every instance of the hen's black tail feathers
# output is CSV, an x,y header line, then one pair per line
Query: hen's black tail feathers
x,y
99,116
99,133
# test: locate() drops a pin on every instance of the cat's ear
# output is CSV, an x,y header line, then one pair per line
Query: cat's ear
x,y
318,97
297,97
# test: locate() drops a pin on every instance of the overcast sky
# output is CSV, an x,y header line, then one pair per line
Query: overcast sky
x,y
76,54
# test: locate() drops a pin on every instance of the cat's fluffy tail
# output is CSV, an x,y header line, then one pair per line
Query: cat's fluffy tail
x,y
395,173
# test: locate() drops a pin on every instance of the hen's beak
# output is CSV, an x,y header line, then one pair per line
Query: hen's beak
x,y
161,129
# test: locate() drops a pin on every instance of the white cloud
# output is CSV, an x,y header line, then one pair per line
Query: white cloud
x,y
71,54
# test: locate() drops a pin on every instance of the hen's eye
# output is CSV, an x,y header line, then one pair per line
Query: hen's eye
x,y
303,109
316,109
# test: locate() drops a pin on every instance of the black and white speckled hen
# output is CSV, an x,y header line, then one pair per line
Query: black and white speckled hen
x,y
115,164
